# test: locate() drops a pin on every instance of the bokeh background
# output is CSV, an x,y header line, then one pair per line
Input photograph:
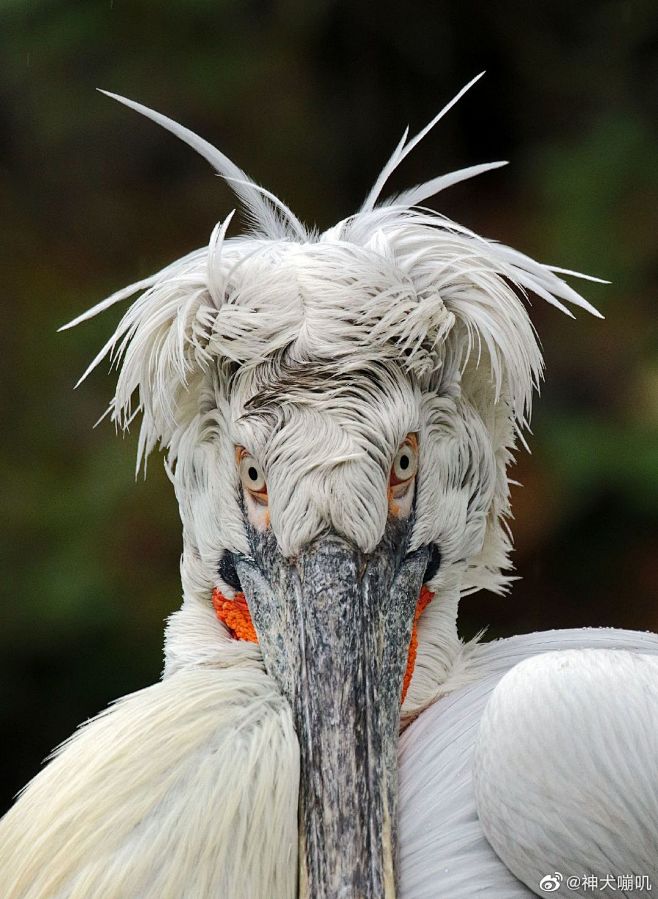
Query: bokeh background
x,y
309,98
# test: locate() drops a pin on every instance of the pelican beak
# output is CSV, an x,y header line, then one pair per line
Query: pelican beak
x,y
334,627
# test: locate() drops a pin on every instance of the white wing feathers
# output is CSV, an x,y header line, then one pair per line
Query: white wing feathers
x,y
443,852
565,768
141,802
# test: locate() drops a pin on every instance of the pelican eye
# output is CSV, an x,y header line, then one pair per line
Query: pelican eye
x,y
252,477
405,464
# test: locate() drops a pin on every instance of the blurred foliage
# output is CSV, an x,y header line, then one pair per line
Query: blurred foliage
x,y
310,99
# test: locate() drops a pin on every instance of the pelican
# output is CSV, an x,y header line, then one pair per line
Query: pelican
x,y
339,411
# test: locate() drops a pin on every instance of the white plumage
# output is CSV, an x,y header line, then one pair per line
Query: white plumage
x,y
142,801
319,358
549,752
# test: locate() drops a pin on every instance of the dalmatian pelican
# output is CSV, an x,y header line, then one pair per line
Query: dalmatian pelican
x,y
339,411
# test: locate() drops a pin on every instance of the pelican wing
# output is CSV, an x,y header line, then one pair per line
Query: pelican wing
x,y
165,796
554,764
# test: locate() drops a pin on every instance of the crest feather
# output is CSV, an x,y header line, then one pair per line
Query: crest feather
x,y
392,283
258,202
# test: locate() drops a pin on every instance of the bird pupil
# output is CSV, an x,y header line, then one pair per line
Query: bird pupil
x,y
253,474
404,462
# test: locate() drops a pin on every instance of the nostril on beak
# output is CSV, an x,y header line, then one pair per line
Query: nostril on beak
x,y
433,563
227,571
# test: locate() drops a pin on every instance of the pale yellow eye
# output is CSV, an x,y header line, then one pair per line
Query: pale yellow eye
x,y
405,464
251,475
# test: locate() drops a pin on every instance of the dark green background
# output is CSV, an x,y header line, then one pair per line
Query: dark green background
x,y
310,98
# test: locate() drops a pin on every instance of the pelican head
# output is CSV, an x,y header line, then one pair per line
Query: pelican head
x,y
338,411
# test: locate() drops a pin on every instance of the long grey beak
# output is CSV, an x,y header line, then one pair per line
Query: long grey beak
x,y
334,626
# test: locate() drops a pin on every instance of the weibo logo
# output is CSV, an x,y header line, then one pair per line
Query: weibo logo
x,y
550,883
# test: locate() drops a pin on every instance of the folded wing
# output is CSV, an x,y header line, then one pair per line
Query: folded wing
x,y
185,789
489,772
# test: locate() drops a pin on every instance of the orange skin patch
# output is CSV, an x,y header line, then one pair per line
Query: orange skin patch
x,y
234,613
424,600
